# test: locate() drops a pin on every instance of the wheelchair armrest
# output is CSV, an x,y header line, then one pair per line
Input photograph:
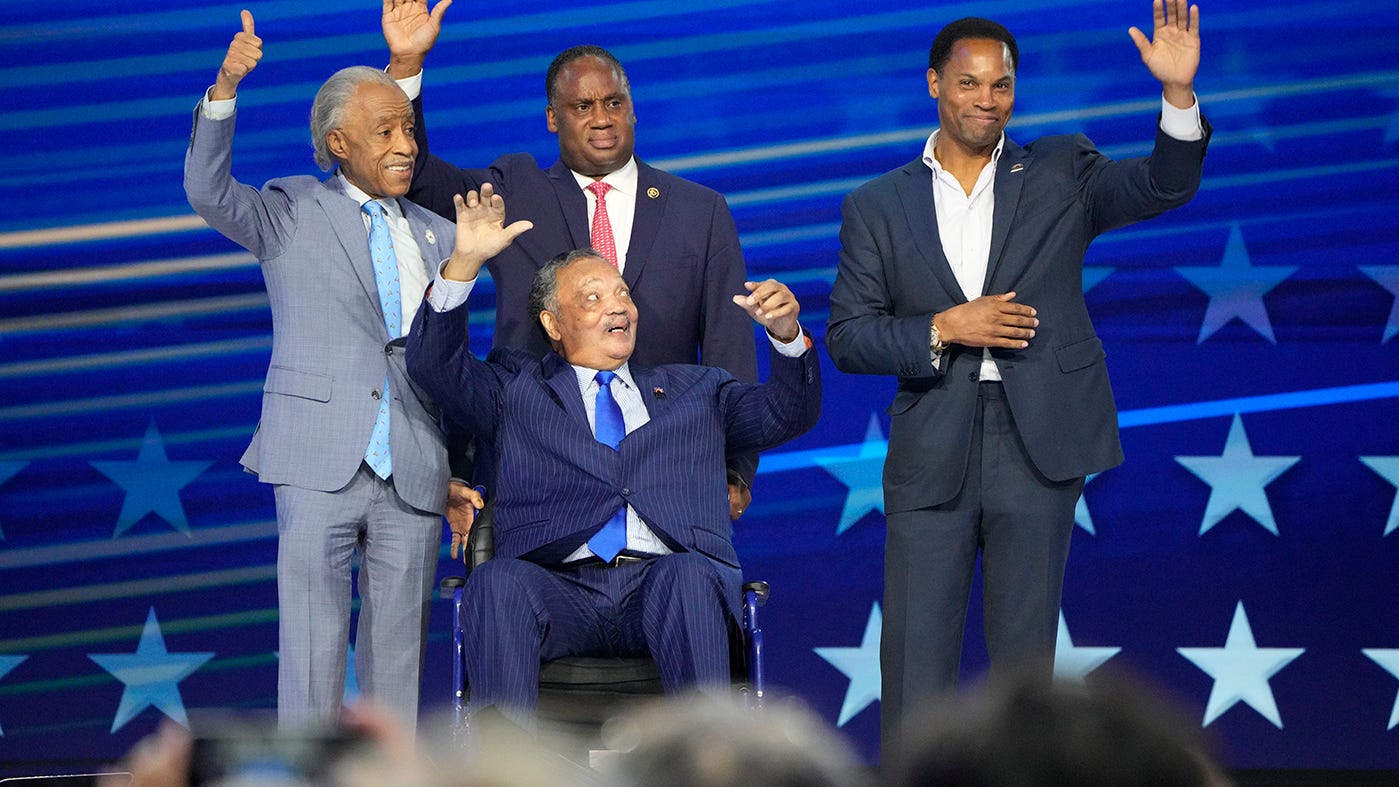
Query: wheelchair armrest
x,y
480,545
760,589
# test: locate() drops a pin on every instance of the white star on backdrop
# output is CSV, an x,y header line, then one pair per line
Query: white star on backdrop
x,y
861,666
863,473
7,471
1072,663
1237,479
1388,468
1081,516
1236,289
1389,659
152,483
1387,276
8,663
151,674
1241,671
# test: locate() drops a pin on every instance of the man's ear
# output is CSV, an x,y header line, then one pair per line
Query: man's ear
x,y
550,119
335,143
932,83
551,325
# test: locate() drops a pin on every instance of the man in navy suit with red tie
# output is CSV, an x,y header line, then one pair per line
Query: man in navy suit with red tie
x,y
673,240
612,528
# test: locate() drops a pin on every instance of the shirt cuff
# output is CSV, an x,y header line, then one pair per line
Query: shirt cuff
x,y
412,86
1182,124
217,110
792,349
444,294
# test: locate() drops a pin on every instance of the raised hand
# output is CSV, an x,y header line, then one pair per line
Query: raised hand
x,y
481,232
410,31
1172,55
772,306
242,57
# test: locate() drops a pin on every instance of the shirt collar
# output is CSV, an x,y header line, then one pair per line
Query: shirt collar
x,y
586,376
932,161
622,180
360,197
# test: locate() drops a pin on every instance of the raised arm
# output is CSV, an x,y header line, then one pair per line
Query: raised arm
x,y
481,232
1172,55
242,57
411,30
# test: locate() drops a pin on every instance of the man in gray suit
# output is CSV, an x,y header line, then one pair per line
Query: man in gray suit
x,y
352,448
961,274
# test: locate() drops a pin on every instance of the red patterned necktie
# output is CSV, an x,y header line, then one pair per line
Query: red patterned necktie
x,y
602,226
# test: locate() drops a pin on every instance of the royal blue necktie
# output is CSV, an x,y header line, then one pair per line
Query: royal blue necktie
x,y
609,429
376,455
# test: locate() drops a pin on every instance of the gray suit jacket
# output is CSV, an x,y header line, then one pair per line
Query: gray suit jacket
x,y
330,349
1053,198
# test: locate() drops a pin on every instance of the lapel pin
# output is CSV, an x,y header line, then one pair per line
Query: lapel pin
x,y
1016,167
658,392
653,192
431,238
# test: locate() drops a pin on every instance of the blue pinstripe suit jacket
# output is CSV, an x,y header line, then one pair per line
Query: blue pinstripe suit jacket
x,y
556,484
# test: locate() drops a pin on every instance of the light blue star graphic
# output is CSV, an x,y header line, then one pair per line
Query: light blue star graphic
x,y
1081,516
861,667
1236,289
863,473
1072,663
1389,659
1388,468
151,674
152,483
8,663
1237,479
1241,671
1387,276
1093,275
8,471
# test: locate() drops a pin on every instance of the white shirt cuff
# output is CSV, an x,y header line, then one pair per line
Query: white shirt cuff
x,y
217,110
1182,124
412,86
447,294
792,349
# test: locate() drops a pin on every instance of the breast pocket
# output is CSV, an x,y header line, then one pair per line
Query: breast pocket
x,y
293,382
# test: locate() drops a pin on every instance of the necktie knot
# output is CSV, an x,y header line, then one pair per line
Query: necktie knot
x,y
604,379
601,231
374,209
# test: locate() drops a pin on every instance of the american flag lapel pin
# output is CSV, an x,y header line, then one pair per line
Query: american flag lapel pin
x,y
658,392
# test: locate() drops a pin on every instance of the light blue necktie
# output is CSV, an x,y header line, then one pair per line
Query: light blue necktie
x,y
391,299
609,429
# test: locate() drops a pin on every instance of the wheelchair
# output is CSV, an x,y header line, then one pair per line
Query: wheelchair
x,y
578,694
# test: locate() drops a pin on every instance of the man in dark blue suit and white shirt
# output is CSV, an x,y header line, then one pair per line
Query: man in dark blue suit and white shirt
x,y
961,274
673,240
612,528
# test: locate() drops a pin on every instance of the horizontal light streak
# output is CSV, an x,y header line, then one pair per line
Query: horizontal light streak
x,y
82,594
111,274
149,355
105,231
76,552
169,396
134,313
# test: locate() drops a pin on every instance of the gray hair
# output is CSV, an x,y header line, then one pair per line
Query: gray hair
x,y
328,110
544,290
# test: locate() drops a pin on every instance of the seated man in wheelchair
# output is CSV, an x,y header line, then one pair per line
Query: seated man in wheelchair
x,y
612,529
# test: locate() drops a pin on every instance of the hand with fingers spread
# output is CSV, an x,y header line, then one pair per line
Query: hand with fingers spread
x,y
988,321
772,306
462,504
1173,52
243,54
481,232
410,32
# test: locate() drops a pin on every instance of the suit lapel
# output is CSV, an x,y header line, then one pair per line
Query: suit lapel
x,y
1010,178
344,216
561,381
573,204
915,191
430,247
646,221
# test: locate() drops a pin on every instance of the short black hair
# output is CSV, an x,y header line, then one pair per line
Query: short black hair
x,y
970,27
544,289
551,77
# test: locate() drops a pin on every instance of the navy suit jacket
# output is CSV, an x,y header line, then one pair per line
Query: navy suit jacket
x,y
1053,197
556,484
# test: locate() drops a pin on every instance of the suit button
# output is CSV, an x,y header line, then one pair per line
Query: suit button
x,y
388,350
626,492
974,376
375,394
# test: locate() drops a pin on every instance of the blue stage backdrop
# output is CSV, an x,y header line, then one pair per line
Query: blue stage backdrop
x,y
1244,558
